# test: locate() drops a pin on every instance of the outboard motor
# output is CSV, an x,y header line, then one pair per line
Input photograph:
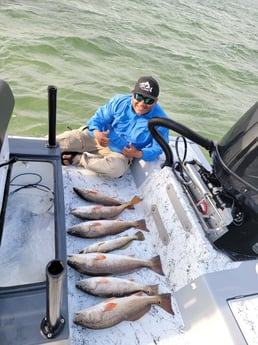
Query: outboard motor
x,y
235,162
225,197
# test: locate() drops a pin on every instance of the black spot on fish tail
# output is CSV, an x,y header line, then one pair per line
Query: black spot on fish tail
x,y
152,290
165,303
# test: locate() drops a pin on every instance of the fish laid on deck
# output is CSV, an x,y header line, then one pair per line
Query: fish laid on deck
x,y
96,197
116,243
117,309
94,229
108,264
103,212
114,287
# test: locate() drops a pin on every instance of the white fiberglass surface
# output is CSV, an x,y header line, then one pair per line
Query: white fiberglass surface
x,y
28,240
245,311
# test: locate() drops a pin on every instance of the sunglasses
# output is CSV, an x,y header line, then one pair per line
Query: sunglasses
x,y
147,100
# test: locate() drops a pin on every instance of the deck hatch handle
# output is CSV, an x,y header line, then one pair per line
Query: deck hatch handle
x,y
180,212
163,235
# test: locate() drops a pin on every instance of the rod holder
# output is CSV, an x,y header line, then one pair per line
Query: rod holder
x,y
53,322
52,91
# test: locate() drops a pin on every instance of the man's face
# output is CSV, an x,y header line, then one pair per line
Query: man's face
x,y
139,104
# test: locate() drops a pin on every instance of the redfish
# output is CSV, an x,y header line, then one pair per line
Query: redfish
x,y
100,228
108,264
96,197
114,287
114,310
103,212
116,243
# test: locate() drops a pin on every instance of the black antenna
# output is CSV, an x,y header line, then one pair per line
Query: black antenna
x,y
52,90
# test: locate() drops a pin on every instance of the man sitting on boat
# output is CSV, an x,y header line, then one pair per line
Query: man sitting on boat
x,y
117,133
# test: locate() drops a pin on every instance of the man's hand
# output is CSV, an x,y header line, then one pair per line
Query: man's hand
x,y
131,152
101,137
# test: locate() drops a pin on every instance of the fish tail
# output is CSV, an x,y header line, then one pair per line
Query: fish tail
x,y
152,290
139,236
165,303
135,200
156,265
141,224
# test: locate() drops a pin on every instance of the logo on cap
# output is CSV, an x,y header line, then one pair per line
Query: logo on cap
x,y
145,86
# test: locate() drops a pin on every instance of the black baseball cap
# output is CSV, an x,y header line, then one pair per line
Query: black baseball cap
x,y
147,86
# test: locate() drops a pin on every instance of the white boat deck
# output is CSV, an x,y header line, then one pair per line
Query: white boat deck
x,y
155,327
175,234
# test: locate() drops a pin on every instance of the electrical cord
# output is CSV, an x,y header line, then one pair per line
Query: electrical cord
x,y
37,185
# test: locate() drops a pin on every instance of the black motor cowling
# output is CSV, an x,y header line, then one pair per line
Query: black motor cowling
x,y
235,161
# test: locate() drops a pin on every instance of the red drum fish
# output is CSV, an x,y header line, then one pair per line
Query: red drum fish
x,y
103,212
96,197
117,309
116,243
108,264
100,228
114,287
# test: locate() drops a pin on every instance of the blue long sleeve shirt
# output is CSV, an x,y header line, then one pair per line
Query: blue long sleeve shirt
x,y
127,127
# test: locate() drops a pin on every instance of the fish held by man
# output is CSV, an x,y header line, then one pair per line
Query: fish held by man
x,y
114,287
117,309
103,212
96,197
111,264
116,243
100,228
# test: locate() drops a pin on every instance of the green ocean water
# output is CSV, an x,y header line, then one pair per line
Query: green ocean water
x,y
203,53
